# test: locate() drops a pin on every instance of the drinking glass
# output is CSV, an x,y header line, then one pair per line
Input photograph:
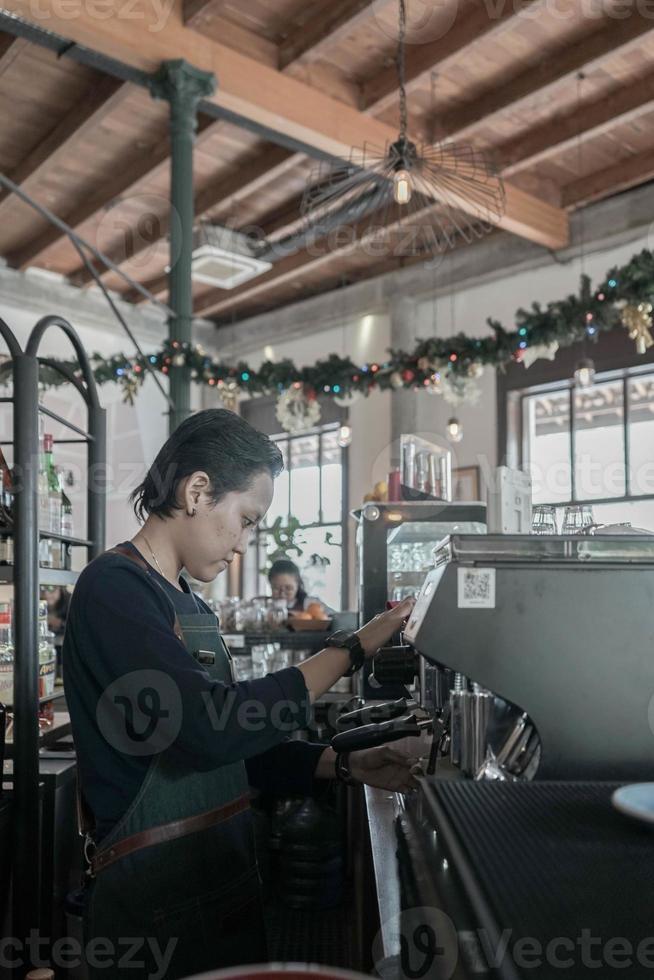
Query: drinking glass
x,y
577,518
544,520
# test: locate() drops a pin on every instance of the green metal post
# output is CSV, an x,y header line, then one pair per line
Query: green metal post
x,y
183,86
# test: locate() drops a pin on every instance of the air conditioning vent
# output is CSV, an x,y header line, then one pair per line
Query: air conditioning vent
x,y
224,258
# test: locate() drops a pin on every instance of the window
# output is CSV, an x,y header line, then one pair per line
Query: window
x,y
312,489
595,445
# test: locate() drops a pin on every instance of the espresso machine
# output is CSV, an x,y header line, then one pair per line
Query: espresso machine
x,y
528,657
530,660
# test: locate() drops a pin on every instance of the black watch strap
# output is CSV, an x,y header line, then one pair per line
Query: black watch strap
x,y
343,773
348,641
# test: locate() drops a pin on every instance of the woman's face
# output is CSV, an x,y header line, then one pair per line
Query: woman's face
x,y
284,586
210,541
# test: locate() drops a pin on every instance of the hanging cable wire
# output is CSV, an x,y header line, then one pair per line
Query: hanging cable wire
x,y
80,244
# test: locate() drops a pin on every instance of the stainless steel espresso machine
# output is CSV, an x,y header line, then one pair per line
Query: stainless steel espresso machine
x,y
532,657
533,663
546,646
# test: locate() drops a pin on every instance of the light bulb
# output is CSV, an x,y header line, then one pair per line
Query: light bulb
x,y
454,430
345,436
585,374
402,186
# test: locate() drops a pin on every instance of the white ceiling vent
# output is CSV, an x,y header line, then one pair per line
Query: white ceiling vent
x,y
225,258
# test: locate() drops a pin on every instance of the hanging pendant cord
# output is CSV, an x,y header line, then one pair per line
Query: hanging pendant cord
x,y
401,71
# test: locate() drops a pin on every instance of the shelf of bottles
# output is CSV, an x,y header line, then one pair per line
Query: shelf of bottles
x,y
56,541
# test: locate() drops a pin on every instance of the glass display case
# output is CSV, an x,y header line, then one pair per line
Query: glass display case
x,y
395,543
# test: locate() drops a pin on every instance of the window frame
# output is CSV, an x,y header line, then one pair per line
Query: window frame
x,y
288,438
615,358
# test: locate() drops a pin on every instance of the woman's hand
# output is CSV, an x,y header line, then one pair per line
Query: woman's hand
x,y
384,767
379,630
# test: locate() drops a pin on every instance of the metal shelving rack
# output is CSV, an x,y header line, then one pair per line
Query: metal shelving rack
x,y
26,577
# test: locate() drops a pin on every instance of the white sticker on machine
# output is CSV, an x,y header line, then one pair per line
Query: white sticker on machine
x,y
476,588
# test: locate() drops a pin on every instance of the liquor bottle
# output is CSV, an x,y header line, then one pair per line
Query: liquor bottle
x,y
66,509
6,513
43,488
54,492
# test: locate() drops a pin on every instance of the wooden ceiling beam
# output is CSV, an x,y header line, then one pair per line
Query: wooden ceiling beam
x,y
562,132
262,95
222,193
10,48
206,16
55,148
381,91
558,66
143,168
620,176
324,29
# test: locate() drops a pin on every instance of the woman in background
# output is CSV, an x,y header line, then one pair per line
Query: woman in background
x,y
286,583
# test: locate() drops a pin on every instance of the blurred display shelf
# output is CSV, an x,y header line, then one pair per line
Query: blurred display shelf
x,y
74,542
432,532
56,696
60,728
243,642
410,577
47,576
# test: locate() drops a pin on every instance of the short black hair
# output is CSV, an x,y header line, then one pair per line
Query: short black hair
x,y
220,443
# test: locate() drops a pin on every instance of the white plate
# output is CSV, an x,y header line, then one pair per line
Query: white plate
x,y
636,800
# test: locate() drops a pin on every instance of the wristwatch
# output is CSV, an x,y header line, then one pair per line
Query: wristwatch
x,y
348,641
343,773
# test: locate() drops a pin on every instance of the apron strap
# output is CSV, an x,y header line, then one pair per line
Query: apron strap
x,y
167,832
133,555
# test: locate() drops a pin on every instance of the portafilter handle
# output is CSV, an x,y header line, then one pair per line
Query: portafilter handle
x,y
370,736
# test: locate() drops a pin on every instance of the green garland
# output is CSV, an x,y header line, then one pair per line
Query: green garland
x,y
454,359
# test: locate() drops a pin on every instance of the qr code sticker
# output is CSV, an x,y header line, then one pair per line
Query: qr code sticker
x,y
476,588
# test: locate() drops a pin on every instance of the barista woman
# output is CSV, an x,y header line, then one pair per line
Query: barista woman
x,y
167,742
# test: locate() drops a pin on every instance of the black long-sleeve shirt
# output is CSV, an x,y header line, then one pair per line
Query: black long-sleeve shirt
x,y
121,620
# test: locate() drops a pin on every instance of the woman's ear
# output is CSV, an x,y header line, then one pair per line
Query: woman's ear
x,y
195,487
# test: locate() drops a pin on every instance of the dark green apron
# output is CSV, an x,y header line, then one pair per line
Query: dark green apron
x,y
200,890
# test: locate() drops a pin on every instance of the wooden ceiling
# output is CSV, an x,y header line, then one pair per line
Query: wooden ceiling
x,y
304,78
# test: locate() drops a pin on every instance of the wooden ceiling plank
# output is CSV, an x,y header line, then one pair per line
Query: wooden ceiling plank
x,y
560,133
82,119
207,15
10,49
222,193
381,91
618,177
335,21
559,66
143,168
